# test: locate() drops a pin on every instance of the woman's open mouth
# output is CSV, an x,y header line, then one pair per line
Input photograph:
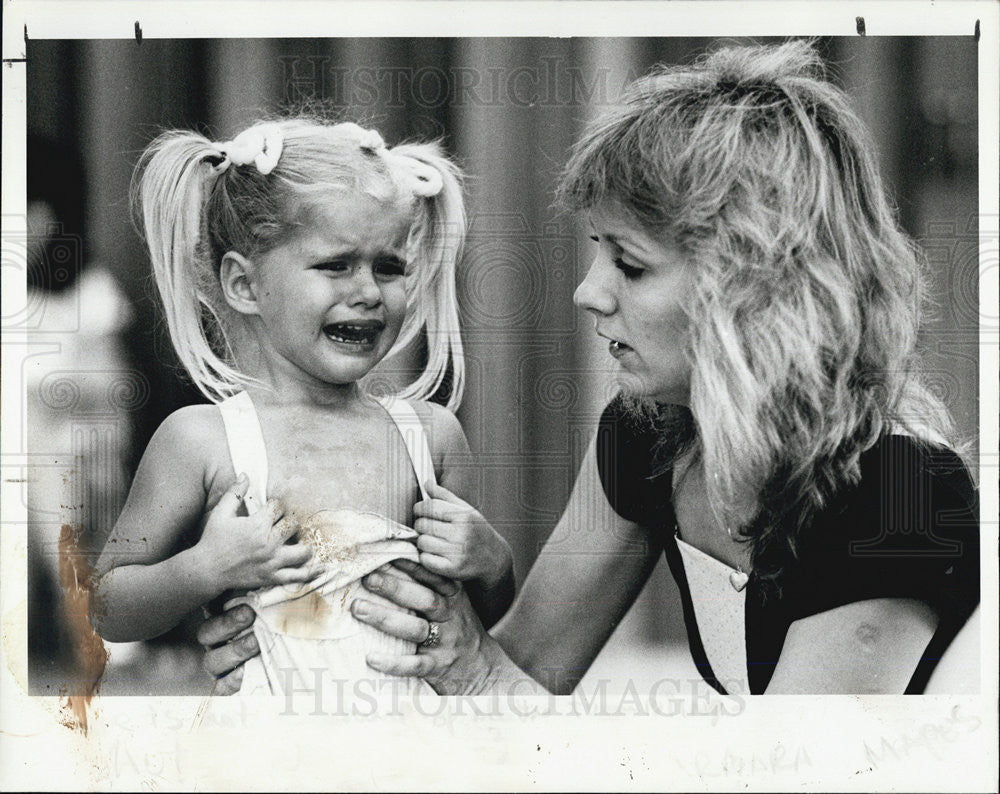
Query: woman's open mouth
x,y
362,333
615,348
618,349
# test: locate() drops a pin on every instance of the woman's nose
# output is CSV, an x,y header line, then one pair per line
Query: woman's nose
x,y
593,293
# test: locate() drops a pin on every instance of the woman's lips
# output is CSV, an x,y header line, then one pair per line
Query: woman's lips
x,y
618,349
615,347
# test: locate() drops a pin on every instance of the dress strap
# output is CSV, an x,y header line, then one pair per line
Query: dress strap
x,y
412,430
246,446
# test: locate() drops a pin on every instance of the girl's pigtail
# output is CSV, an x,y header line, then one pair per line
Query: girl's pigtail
x,y
432,303
169,187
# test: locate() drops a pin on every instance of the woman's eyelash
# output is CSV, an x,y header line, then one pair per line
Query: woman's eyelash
x,y
627,270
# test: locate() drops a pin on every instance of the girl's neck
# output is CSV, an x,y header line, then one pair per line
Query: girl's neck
x,y
282,383
327,396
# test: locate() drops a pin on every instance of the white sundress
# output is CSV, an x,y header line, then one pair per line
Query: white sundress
x,y
309,640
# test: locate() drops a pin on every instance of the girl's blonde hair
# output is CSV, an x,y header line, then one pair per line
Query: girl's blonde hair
x,y
807,300
192,215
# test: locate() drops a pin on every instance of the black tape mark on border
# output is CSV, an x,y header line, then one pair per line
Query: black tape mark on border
x,y
138,32
860,22
976,33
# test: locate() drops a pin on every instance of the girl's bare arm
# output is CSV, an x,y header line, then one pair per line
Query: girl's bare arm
x,y
148,581
143,591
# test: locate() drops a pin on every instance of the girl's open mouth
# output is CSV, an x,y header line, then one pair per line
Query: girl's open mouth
x,y
359,332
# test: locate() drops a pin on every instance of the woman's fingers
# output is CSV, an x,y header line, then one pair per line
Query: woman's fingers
x,y
437,564
226,658
439,584
224,661
393,622
229,684
411,595
412,665
224,627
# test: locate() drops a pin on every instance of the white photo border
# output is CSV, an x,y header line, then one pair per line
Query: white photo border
x,y
784,743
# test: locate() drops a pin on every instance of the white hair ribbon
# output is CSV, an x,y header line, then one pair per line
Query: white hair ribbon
x,y
260,145
371,141
417,177
420,178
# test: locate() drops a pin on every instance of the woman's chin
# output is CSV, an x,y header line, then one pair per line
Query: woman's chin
x,y
633,387
630,386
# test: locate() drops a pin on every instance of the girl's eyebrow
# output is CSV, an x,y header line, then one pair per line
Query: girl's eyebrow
x,y
351,253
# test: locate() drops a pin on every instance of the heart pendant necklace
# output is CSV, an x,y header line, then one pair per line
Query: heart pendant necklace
x,y
738,579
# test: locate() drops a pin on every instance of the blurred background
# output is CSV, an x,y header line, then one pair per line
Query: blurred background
x,y
102,375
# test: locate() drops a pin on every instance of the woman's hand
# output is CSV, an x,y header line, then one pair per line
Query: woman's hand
x,y
457,542
225,650
464,660
251,551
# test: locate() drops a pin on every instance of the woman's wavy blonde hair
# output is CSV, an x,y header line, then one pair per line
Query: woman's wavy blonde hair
x,y
807,299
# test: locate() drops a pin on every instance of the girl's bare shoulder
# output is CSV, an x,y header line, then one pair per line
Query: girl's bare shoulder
x,y
444,432
194,437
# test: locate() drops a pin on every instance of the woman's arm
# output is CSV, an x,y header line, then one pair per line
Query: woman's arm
x,y
587,575
882,610
868,647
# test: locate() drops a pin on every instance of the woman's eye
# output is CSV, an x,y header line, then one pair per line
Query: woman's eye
x,y
627,270
390,267
595,238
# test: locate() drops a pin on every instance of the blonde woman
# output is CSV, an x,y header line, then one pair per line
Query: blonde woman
x,y
771,437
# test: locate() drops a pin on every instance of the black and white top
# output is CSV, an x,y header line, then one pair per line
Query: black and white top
x,y
908,529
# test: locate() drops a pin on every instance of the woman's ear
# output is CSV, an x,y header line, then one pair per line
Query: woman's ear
x,y
237,278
